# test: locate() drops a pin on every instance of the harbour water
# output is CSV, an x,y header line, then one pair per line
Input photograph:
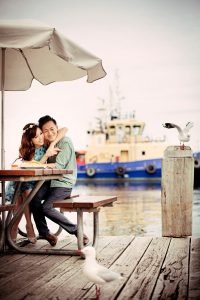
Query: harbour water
x,y
137,211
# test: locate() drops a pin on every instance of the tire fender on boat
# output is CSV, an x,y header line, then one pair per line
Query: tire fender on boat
x,y
150,169
90,172
120,170
197,163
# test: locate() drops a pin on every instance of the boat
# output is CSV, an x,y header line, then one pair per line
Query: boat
x,y
118,151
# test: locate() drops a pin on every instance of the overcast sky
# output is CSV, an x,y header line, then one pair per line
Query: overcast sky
x,y
154,45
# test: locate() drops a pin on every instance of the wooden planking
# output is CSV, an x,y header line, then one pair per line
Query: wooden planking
x,y
76,286
30,269
153,268
125,264
59,275
173,279
141,283
194,281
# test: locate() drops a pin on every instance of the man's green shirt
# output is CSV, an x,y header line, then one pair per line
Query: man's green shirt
x,y
65,159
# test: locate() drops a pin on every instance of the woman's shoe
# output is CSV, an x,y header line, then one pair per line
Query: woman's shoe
x,y
31,234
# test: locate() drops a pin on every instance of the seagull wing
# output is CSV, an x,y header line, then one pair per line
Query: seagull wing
x,y
100,274
171,125
91,271
107,275
168,125
188,126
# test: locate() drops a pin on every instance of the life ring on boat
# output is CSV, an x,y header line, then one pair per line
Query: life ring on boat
x,y
90,172
197,163
120,170
150,169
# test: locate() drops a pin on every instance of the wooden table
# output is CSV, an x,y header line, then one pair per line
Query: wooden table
x,y
19,176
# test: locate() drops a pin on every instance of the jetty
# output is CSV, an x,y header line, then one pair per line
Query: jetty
x,y
152,268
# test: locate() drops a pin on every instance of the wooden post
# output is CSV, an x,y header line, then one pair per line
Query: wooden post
x,y
177,191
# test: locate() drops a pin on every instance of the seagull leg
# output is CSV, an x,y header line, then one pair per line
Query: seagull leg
x,y
97,292
182,147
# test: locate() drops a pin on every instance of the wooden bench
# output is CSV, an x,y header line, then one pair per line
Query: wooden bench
x,y
81,204
7,207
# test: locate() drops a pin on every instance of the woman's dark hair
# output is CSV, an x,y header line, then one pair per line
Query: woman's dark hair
x,y
27,149
45,119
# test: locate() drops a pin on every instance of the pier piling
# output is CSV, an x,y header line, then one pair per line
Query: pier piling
x,y
177,191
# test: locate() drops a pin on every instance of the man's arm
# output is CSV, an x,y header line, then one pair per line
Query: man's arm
x,y
61,133
52,151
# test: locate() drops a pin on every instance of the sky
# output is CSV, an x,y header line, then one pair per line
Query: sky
x,y
153,46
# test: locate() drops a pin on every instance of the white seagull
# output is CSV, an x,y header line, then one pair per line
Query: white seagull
x,y
184,135
96,272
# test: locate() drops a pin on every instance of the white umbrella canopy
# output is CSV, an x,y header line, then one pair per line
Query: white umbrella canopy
x,y
32,50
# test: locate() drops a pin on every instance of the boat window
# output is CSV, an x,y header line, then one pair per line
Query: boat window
x,y
112,130
143,152
128,129
120,134
136,129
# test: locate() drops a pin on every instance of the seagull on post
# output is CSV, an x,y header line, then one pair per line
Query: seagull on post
x,y
184,135
94,271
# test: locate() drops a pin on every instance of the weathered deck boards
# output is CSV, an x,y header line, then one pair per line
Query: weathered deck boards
x,y
153,268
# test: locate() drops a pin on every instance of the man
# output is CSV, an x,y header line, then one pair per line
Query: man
x,y
42,204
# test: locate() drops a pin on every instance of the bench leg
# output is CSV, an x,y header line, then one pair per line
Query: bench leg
x,y
80,228
95,228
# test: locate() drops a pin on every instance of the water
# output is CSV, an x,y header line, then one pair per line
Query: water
x,y
137,211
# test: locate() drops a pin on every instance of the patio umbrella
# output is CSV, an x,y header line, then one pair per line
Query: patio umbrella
x,y
32,50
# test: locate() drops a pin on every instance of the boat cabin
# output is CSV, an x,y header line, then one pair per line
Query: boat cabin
x,y
121,140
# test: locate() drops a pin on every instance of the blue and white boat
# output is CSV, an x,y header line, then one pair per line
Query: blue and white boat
x,y
117,151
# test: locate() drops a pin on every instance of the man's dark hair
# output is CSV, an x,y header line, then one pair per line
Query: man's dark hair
x,y
45,119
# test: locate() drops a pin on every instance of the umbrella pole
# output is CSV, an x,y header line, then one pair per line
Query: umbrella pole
x,y
2,107
3,216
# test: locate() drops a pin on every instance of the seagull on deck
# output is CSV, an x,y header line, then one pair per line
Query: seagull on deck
x,y
95,272
184,135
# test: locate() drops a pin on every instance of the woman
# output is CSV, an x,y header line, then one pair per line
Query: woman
x,y
32,149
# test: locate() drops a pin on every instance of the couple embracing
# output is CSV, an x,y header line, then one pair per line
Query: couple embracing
x,y
58,152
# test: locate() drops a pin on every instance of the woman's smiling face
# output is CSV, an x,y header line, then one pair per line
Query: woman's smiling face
x,y
38,140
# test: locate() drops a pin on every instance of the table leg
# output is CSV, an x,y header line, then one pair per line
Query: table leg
x,y
80,228
95,227
15,198
5,219
19,212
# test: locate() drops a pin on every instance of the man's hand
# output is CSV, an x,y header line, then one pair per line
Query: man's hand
x,y
51,151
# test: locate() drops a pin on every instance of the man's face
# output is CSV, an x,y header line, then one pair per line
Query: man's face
x,y
50,131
